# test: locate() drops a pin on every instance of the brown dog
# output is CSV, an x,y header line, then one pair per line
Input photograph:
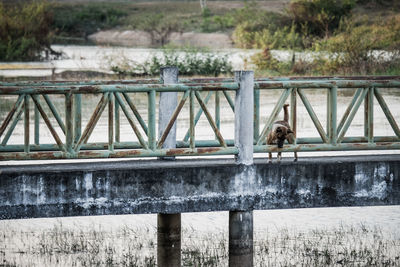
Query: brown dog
x,y
280,132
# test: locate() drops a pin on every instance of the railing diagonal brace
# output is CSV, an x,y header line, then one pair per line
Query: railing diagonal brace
x,y
130,120
9,116
349,108
198,115
210,120
46,119
387,112
352,114
229,99
55,112
136,112
92,122
313,116
13,123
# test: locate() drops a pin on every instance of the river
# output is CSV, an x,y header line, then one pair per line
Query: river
x,y
19,237
101,58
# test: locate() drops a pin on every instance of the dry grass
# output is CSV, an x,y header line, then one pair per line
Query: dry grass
x,y
351,245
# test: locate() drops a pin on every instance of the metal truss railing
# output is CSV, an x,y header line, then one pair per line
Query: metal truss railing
x,y
333,138
117,96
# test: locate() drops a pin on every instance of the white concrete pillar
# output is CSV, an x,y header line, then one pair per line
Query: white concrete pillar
x,y
244,117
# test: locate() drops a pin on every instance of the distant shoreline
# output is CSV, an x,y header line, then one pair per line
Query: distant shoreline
x,y
136,38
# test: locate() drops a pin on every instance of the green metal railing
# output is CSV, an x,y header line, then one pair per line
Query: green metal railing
x,y
334,137
117,96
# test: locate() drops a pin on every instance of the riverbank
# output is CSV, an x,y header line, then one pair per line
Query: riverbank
x,y
136,38
88,62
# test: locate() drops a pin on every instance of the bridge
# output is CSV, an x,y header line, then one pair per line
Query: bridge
x,y
168,183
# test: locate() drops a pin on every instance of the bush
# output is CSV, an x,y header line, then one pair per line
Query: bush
x,y
260,29
25,31
320,17
363,49
81,20
189,62
160,27
284,38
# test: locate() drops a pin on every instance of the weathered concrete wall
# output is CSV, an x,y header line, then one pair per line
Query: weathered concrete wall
x,y
95,188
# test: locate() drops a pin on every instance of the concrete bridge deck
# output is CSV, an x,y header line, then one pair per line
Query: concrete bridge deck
x,y
154,186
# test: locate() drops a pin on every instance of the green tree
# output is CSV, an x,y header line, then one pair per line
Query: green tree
x,y
25,31
160,28
320,17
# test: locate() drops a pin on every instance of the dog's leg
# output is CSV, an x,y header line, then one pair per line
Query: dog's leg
x,y
279,156
270,139
290,140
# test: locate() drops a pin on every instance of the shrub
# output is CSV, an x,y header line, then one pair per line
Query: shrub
x,y
320,17
84,19
160,28
363,49
260,29
25,31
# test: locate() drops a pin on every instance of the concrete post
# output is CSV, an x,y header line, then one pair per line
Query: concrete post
x,y
244,117
240,238
241,222
168,225
168,103
169,240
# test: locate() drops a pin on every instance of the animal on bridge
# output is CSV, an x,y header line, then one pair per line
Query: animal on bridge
x,y
280,132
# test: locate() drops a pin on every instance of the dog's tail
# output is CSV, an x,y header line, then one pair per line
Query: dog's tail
x,y
286,113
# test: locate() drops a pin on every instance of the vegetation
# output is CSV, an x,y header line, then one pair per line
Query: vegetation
x,y
343,36
25,31
160,27
347,245
189,62
363,49
319,17
80,20
343,42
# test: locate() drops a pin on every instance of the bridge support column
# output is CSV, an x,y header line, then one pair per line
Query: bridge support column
x,y
240,238
168,225
241,221
169,240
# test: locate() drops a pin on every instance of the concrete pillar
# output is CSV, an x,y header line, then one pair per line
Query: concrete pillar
x,y
169,240
168,103
241,221
244,117
168,225
240,238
